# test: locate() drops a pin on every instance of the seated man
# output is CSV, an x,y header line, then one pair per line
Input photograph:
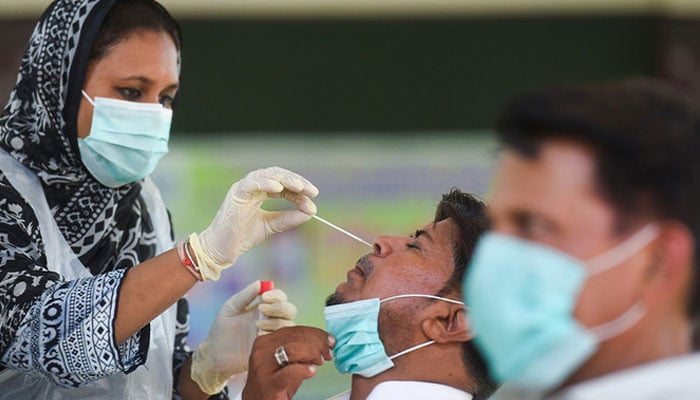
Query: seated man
x,y
417,345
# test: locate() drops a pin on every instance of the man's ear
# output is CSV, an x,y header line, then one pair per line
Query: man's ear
x,y
673,265
447,324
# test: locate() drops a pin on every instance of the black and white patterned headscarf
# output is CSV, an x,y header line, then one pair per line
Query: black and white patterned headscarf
x,y
107,228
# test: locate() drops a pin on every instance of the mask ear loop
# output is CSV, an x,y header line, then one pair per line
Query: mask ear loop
x,y
427,296
620,324
88,98
410,349
611,258
623,251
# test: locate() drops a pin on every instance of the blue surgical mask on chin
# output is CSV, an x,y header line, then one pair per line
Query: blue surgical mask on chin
x,y
126,141
358,348
521,296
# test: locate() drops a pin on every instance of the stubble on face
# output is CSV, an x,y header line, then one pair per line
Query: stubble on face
x,y
366,266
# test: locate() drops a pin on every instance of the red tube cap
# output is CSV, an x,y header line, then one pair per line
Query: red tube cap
x,y
266,286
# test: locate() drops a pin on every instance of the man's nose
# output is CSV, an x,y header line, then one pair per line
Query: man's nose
x,y
385,245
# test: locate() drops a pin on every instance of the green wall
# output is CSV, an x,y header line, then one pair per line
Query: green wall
x,y
391,75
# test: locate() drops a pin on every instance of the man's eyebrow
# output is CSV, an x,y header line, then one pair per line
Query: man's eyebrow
x,y
421,232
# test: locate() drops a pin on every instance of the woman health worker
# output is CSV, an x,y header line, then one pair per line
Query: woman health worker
x,y
90,280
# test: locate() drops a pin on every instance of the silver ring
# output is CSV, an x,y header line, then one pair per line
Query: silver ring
x,y
281,356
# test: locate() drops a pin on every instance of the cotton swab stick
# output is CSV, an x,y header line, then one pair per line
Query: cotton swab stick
x,y
341,230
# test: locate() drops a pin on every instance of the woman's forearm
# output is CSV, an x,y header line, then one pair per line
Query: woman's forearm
x,y
149,289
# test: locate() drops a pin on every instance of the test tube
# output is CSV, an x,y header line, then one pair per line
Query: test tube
x,y
265,286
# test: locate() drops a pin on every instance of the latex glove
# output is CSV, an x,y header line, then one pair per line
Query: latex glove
x,y
226,349
241,224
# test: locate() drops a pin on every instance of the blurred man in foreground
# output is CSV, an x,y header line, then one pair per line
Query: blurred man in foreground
x,y
398,324
587,286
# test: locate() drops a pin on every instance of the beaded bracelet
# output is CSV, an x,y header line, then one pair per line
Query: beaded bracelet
x,y
187,260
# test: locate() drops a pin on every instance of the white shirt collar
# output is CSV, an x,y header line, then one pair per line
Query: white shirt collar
x,y
411,390
672,378
415,390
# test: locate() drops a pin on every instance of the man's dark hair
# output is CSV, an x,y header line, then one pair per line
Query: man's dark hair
x,y
469,214
644,137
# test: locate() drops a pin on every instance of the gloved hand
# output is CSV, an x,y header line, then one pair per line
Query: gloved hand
x,y
226,349
241,224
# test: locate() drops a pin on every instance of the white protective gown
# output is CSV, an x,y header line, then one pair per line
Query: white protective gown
x,y
152,381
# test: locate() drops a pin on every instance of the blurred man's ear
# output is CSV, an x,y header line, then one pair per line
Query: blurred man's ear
x,y
447,324
668,278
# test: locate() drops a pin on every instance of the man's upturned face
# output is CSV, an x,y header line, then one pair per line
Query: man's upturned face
x,y
420,263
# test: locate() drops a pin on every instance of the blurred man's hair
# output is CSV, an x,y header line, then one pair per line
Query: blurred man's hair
x,y
469,214
645,137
